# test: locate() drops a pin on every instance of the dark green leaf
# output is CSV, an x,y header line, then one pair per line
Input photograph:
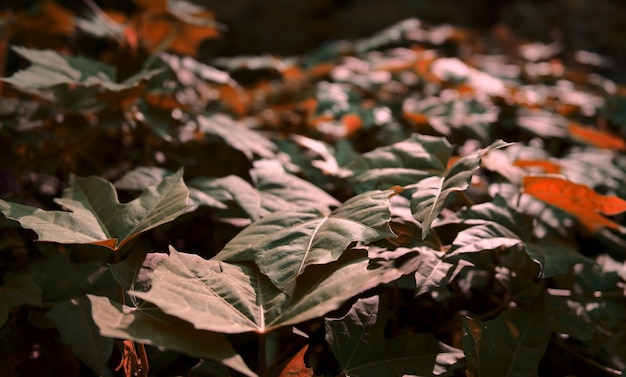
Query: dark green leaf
x,y
78,331
19,288
510,345
358,344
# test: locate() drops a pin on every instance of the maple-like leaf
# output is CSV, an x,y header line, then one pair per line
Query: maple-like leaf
x,y
97,217
510,345
49,68
580,200
285,243
358,344
235,298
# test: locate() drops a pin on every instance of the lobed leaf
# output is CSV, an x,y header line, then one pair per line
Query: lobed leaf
x,y
234,298
151,326
358,344
285,243
402,163
97,217
512,344
18,288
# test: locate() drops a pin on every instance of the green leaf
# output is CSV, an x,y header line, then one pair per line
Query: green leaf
x,y
274,190
358,344
97,216
49,68
237,135
510,345
151,326
236,298
19,288
402,163
285,243
496,224
78,331
430,197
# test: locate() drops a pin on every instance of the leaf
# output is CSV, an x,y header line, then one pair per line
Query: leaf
x,y
358,344
597,138
512,344
151,326
274,190
236,135
579,200
235,298
49,68
429,199
78,331
285,243
296,366
19,288
432,272
176,25
402,163
450,115
97,217
496,225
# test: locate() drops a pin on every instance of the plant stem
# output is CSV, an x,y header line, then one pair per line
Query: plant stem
x,y
262,356
143,357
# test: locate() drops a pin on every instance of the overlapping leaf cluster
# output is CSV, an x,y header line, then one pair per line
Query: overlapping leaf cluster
x,y
413,202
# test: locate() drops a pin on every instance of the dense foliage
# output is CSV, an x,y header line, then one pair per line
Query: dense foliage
x,y
424,201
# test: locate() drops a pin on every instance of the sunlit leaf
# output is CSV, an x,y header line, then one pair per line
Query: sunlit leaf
x,y
510,345
580,200
151,326
49,68
237,135
358,344
402,163
285,243
430,197
235,298
97,216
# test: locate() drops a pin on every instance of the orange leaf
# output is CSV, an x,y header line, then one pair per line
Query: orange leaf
x,y
235,98
353,122
416,118
544,165
597,138
579,200
296,366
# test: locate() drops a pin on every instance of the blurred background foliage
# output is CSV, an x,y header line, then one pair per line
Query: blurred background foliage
x,y
287,27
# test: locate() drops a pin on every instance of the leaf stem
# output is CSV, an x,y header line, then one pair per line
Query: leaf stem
x,y
143,357
262,355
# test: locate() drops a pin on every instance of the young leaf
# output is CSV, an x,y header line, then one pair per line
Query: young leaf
x,y
78,331
510,345
358,344
236,298
285,243
402,163
19,288
97,216
579,200
429,199
151,326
